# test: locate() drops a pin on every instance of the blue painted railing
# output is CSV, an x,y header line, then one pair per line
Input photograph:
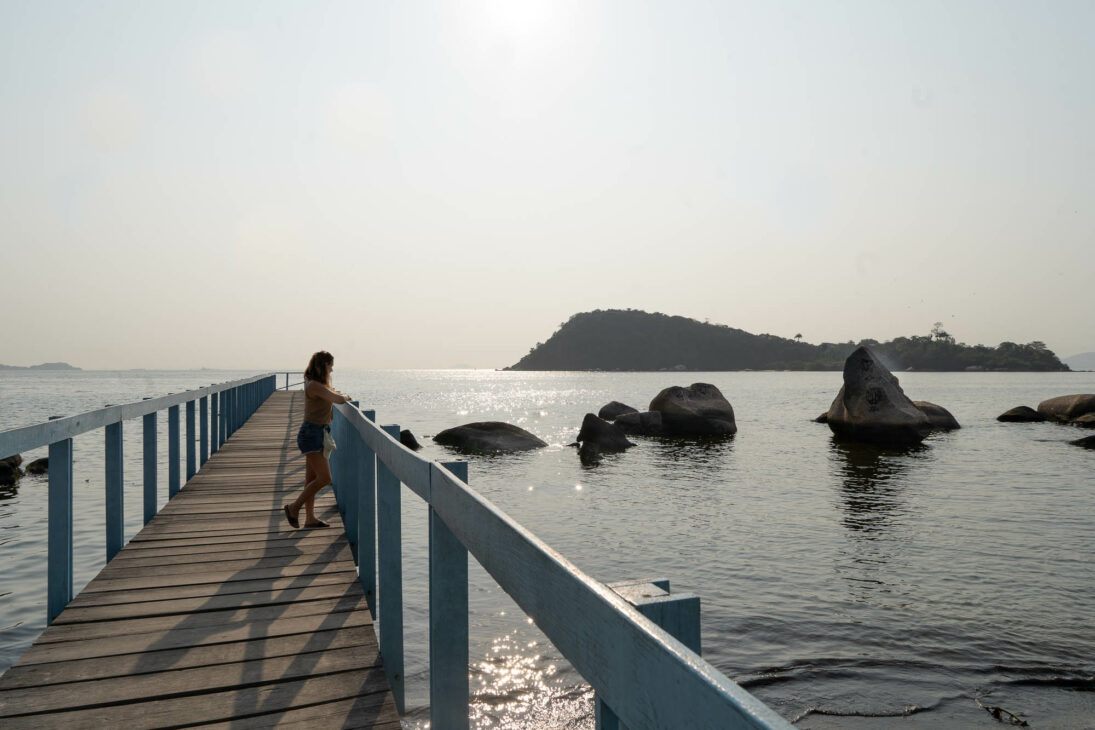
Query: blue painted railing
x,y
646,676
212,415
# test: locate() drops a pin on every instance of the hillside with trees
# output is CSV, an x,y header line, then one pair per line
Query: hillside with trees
x,y
630,339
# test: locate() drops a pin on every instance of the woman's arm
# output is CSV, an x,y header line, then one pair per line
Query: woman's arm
x,y
319,390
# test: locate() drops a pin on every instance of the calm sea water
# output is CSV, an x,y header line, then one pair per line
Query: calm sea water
x,y
845,587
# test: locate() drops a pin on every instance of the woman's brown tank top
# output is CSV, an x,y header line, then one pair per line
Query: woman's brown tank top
x,y
317,410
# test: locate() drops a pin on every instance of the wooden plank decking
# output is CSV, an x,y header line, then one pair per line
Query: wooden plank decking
x,y
217,613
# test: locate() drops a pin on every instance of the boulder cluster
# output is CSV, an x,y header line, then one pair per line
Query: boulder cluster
x,y
10,470
698,411
1071,410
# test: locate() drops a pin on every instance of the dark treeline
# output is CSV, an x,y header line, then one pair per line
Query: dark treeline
x,y
617,339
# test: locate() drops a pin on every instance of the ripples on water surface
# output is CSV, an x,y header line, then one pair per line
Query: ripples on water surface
x,y
845,586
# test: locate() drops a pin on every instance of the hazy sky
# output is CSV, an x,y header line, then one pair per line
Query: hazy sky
x,y
421,184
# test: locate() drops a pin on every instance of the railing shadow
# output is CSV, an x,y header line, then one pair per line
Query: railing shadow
x,y
252,695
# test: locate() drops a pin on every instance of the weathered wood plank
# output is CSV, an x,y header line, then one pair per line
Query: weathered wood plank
x,y
218,602
152,579
127,665
179,562
197,590
224,706
182,682
165,625
178,638
345,714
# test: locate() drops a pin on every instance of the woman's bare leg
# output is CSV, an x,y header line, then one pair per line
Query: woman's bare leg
x,y
317,474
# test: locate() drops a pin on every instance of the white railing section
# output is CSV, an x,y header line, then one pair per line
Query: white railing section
x,y
647,677
212,414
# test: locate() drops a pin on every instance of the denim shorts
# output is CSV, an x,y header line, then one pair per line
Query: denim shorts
x,y
310,437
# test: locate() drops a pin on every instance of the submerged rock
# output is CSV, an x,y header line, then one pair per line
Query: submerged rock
x,y
941,419
39,466
698,410
647,423
872,407
489,436
823,418
602,434
15,460
1021,414
1067,407
615,409
1087,442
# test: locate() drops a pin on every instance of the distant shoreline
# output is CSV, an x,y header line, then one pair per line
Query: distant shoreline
x,y
42,366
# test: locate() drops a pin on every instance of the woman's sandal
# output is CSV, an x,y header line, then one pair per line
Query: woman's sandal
x,y
292,520
317,523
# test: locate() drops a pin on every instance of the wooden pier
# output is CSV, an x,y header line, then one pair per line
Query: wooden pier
x,y
217,612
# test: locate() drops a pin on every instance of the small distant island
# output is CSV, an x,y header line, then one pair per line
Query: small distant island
x,y
43,366
633,340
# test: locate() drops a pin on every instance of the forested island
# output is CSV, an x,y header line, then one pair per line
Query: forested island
x,y
630,339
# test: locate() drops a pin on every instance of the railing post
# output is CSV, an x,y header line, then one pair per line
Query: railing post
x,y
678,614
335,464
229,409
389,579
191,442
229,397
59,540
448,621
149,467
214,423
173,465
366,520
351,474
115,493
203,428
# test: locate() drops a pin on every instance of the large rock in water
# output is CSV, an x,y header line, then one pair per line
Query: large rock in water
x,y
698,410
872,407
39,466
602,434
1067,407
407,439
1021,414
939,416
489,436
15,460
9,473
647,423
615,409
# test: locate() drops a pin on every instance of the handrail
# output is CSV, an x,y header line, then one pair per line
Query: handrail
x,y
213,413
287,386
646,676
17,440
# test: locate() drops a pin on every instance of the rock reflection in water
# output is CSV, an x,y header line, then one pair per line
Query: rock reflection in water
x,y
703,456
872,481
869,477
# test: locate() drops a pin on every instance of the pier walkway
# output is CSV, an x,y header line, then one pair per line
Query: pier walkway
x,y
217,612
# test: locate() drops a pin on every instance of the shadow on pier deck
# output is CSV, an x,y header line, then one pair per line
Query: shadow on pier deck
x,y
216,613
